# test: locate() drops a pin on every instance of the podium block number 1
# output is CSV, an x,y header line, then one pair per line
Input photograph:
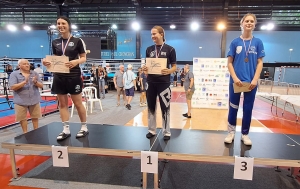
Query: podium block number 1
x,y
149,162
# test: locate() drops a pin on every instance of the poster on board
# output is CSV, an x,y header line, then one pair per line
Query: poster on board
x,y
211,83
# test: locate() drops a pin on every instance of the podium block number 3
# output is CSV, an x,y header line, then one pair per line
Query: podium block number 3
x,y
243,168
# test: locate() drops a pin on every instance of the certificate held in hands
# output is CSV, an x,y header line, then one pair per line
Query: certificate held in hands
x,y
244,88
155,65
57,64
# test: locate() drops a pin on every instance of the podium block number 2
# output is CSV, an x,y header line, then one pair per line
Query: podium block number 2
x,y
60,156
149,162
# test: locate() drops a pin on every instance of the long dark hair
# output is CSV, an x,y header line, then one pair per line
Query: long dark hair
x,y
66,19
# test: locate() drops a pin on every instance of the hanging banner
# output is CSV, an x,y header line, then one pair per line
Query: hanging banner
x,y
211,83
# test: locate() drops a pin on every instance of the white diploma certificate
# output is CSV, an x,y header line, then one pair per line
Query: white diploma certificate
x,y
155,65
57,64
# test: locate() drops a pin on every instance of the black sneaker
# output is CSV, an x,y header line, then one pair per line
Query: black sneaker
x,y
149,135
129,107
186,115
167,137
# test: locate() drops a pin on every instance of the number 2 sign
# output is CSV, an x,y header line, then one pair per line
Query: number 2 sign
x,y
149,162
60,156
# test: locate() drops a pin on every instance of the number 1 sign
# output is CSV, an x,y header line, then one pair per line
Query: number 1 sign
x,y
60,156
149,162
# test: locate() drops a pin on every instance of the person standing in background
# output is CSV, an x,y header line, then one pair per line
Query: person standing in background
x,y
40,71
181,76
101,79
245,62
138,84
189,88
118,82
143,88
106,80
93,75
175,79
129,83
8,69
25,84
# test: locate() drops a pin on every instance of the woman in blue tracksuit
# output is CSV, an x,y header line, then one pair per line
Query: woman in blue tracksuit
x,y
245,62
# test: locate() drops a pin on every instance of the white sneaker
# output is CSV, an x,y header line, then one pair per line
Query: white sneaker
x,y
229,138
246,140
145,104
141,104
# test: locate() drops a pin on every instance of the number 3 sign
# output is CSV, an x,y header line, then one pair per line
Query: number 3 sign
x,y
243,168
60,156
149,162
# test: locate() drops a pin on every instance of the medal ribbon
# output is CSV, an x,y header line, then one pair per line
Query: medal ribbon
x,y
63,48
159,50
247,51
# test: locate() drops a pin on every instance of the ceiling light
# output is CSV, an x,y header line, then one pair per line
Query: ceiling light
x,y
52,26
172,26
270,26
74,27
194,26
135,26
221,26
27,28
12,28
114,26
263,27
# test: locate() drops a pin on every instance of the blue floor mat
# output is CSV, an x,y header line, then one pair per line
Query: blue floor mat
x,y
6,111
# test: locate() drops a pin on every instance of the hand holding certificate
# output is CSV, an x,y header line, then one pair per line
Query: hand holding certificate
x,y
244,88
156,65
57,64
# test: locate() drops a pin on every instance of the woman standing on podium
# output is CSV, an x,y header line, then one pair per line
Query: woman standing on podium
x,y
245,62
159,84
69,83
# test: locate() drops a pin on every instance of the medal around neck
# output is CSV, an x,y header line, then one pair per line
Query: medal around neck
x,y
247,51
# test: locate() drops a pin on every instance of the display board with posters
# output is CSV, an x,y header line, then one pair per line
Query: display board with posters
x,y
211,83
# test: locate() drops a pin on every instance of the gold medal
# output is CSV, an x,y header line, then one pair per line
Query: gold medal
x,y
246,59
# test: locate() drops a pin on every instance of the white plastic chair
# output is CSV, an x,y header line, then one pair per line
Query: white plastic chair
x,y
92,97
83,102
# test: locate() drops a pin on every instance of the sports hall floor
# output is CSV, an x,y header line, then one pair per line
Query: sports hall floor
x,y
263,120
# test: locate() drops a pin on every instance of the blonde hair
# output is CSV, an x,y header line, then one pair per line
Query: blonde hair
x,y
248,14
244,17
160,31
